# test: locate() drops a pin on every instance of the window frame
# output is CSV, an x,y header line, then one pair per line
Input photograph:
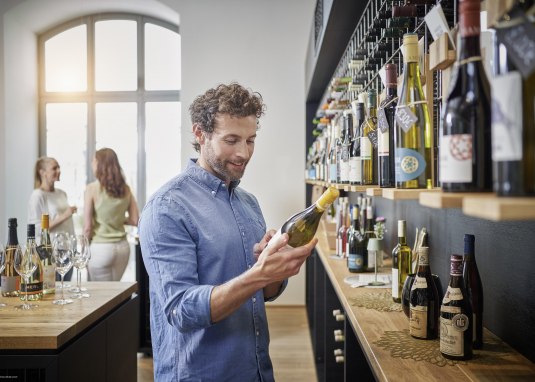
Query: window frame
x,y
91,97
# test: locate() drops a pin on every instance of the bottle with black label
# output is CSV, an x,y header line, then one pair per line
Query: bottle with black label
x,y
456,316
34,288
385,123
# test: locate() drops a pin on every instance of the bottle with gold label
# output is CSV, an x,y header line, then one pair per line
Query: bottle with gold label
x,y
32,289
10,278
45,254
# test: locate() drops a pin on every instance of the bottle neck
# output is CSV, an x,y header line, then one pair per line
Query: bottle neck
x,y
391,91
402,240
469,47
12,238
412,70
372,111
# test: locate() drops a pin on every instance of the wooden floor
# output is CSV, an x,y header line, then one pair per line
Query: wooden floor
x,y
290,348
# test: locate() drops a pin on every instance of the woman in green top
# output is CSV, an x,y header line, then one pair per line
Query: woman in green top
x,y
107,201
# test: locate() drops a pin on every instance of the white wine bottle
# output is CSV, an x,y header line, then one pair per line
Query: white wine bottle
x,y
401,261
302,227
413,130
34,288
45,254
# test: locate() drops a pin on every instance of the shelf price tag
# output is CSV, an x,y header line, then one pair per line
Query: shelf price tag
x,y
382,122
405,117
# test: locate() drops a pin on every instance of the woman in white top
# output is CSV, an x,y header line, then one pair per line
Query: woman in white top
x,y
46,199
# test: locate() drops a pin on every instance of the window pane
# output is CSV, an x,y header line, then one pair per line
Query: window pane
x,y
66,61
162,58
116,128
163,155
115,55
67,122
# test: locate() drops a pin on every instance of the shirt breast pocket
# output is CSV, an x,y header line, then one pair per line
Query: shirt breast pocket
x,y
257,227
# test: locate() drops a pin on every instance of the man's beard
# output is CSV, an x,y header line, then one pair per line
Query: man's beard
x,y
221,168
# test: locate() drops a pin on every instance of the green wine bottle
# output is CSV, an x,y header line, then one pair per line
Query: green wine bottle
x,y
414,132
303,226
401,261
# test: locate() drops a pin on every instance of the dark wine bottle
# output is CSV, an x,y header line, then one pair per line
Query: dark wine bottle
x,y
424,300
356,250
474,288
355,167
465,144
10,278
456,316
513,108
368,141
385,122
347,123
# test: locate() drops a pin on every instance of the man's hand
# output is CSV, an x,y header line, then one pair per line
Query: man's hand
x,y
259,247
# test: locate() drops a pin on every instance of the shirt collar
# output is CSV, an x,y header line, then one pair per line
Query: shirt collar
x,y
204,177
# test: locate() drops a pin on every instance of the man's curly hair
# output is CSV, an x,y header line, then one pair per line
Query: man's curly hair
x,y
232,99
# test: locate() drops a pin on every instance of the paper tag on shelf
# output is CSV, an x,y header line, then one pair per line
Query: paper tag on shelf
x,y
405,117
437,24
382,122
520,43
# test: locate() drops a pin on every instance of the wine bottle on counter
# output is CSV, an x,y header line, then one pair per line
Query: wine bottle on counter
x,y
33,290
356,249
385,130
45,253
474,289
413,130
465,144
368,141
401,261
355,166
368,234
302,226
456,316
513,105
424,300
10,277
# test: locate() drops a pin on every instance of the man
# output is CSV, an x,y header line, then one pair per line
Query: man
x,y
203,241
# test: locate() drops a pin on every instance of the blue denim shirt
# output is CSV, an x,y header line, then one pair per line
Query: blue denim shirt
x,y
194,235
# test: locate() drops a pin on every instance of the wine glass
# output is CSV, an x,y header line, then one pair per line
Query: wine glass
x,y
2,265
81,256
25,262
62,258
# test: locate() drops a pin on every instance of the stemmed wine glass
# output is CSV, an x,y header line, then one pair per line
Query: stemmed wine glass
x,y
62,258
81,256
25,262
2,265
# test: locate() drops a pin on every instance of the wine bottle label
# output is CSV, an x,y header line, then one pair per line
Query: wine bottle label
x,y
410,164
418,321
395,283
405,117
10,283
355,262
419,283
452,294
519,38
344,171
382,121
365,148
383,145
31,288
451,339
355,170
507,117
456,158
49,277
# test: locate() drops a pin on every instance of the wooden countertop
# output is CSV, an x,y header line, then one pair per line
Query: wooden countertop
x,y
496,362
51,326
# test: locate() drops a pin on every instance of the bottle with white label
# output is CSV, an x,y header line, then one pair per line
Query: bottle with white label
x,y
424,300
414,132
385,129
347,123
355,168
465,144
456,316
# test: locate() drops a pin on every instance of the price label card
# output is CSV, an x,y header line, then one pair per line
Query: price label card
x,y
382,122
405,117
520,42
373,136
437,24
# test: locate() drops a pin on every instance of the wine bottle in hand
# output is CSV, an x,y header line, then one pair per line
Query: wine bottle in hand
x,y
302,227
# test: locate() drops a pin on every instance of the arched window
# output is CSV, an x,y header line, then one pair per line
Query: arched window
x,y
111,80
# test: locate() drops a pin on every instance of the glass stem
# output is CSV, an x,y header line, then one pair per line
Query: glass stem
x,y
26,281
79,279
62,289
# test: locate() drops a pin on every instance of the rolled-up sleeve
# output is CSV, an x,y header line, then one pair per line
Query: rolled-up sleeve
x,y
168,245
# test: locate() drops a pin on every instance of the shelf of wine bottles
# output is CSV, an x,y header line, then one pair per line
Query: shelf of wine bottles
x,y
462,158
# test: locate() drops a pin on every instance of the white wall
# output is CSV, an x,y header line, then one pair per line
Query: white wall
x,y
258,43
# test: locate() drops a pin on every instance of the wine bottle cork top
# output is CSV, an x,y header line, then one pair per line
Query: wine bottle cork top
x,y
410,38
31,230
12,222
391,74
328,197
44,221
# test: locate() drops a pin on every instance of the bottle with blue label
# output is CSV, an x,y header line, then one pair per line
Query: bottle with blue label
x,y
413,129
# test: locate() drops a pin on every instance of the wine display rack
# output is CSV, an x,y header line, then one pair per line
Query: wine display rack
x,y
504,227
